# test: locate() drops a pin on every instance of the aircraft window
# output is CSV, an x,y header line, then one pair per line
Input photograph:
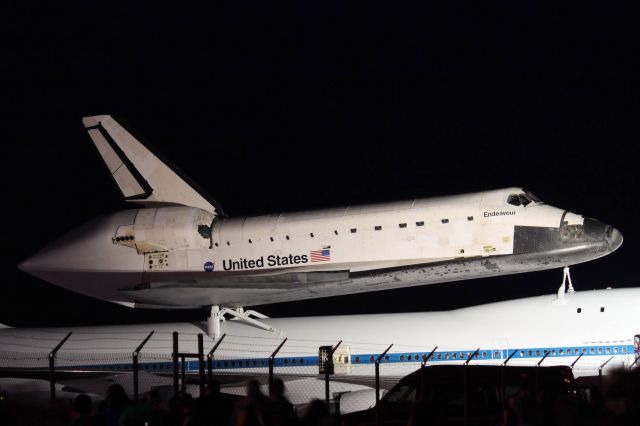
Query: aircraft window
x,y
445,220
294,361
401,357
530,353
345,360
311,234
602,309
592,351
624,350
608,350
301,361
287,237
378,227
454,355
524,200
357,359
615,350
553,352
600,351
521,353
286,361
371,359
584,350
216,244
579,310
354,230
462,251
386,357
514,200
416,357
561,351
439,356
532,196
484,354
228,243
250,241
537,353
469,218
271,238
335,232
496,354
518,200
421,223
402,225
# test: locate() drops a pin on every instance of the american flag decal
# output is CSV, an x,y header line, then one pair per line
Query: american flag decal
x,y
323,255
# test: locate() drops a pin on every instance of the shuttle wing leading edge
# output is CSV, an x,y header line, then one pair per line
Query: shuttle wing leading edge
x,y
140,175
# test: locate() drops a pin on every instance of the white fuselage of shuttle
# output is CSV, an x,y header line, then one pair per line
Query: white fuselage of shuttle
x,y
181,251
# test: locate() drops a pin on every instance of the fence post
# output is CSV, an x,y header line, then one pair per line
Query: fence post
x,y
135,366
576,360
52,362
426,359
183,385
201,363
600,369
326,374
465,390
502,367
377,366
271,358
210,359
546,354
174,355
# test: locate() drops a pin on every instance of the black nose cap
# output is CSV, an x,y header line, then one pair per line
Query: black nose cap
x,y
597,231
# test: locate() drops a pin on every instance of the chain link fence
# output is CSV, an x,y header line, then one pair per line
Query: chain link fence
x,y
347,377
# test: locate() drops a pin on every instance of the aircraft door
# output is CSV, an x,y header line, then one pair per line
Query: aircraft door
x,y
500,349
340,363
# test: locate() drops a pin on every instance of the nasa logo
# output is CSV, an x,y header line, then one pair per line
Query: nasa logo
x,y
208,266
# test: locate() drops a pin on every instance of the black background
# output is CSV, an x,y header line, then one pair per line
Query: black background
x,y
275,106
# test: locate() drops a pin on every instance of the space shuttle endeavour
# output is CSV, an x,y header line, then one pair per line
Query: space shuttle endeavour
x,y
178,249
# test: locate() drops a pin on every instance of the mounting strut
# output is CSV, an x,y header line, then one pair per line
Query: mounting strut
x,y
217,316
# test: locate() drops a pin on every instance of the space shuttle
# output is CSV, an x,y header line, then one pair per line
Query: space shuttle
x,y
178,249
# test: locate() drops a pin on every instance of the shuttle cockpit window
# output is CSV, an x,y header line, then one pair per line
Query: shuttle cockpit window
x,y
532,196
519,200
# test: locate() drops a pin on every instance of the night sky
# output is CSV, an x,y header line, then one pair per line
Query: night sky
x,y
284,106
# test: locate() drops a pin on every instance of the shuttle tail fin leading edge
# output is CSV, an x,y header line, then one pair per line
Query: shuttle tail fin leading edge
x,y
141,176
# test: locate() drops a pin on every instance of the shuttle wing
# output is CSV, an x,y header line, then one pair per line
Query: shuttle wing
x,y
141,176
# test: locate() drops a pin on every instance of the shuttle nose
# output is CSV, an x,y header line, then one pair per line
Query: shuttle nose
x,y
595,231
613,238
